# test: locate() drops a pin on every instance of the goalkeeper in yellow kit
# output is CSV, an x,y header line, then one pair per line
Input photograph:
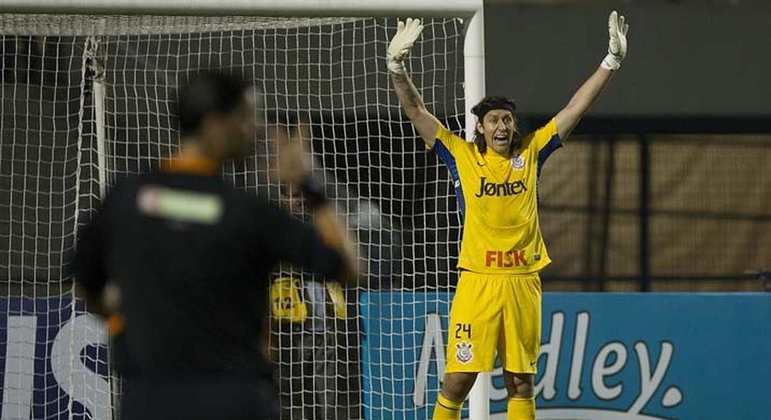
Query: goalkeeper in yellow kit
x,y
497,304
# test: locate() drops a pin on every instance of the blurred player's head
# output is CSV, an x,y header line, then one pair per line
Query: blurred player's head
x,y
218,112
496,125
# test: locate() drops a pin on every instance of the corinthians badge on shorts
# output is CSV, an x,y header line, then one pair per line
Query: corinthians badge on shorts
x,y
517,162
463,352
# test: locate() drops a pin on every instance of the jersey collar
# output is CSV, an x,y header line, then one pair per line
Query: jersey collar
x,y
489,157
190,165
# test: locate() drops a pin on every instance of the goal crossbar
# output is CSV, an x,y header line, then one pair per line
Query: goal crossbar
x,y
248,7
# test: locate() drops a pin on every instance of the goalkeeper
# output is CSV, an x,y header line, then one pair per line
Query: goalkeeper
x,y
172,259
497,303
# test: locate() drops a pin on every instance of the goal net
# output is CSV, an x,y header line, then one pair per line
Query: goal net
x,y
87,99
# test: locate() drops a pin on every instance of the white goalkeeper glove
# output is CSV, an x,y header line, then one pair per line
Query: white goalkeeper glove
x,y
400,45
617,30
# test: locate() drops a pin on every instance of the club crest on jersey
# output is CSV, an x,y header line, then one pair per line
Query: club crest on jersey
x,y
517,162
463,352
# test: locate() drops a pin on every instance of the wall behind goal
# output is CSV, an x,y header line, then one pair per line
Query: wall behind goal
x,y
685,57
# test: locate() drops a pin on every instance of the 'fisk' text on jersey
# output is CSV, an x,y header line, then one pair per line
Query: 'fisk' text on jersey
x,y
513,258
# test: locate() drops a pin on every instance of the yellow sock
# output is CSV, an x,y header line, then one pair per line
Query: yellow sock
x,y
446,409
521,409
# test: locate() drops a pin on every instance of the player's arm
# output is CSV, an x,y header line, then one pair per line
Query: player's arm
x,y
294,169
425,123
89,268
568,117
334,235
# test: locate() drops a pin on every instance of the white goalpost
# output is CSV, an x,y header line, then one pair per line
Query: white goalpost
x,y
87,90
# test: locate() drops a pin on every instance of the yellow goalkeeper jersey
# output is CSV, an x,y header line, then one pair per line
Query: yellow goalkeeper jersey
x,y
498,201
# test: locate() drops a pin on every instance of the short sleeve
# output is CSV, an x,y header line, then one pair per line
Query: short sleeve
x,y
447,140
545,140
88,264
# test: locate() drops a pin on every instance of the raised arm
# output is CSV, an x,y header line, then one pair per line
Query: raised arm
x,y
568,117
425,123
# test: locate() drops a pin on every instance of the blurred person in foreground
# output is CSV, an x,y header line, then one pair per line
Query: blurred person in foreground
x,y
497,303
178,261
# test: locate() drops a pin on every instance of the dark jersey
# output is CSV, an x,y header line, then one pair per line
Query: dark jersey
x,y
191,257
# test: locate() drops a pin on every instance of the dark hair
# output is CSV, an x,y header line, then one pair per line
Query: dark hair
x,y
487,104
207,92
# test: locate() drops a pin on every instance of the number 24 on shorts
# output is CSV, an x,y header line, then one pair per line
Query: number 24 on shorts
x,y
461,329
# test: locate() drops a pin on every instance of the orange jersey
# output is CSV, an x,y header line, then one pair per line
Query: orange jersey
x,y
498,201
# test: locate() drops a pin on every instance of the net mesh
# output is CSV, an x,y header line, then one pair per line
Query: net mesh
x,y
68,82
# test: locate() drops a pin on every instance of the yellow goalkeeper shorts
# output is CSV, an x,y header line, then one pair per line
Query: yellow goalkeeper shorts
x,y
495,312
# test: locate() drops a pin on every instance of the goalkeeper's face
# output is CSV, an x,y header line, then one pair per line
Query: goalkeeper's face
x,y
499,127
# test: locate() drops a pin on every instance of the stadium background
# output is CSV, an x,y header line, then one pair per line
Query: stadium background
x,y
664,186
